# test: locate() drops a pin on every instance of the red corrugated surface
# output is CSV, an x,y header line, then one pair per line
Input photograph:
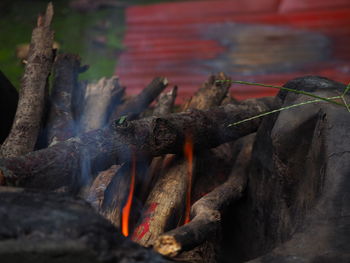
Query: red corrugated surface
x,y
176,40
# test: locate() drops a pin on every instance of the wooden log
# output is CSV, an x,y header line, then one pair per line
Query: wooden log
x,y
25,129
61,124
50,227
168,196
206,212
117,191
95,194
134,106
58,165
8,106
165,103
101,99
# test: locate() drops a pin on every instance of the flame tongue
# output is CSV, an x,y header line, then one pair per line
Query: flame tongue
x,y
127,207
188,151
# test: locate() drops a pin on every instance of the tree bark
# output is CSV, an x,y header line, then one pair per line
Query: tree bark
x,y
165,206
134,106
206,212
101,99
25,129
117,191
59,165
61,124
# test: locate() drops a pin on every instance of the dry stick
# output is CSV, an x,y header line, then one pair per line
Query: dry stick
x,y
60,125
165,204
206,212
25,129
134,106
101,99
164,106
96,190
149,137
117,190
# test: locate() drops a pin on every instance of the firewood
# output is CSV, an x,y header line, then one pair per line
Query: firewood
x,y
60,124
25,129
58,165
168,195
165,103
100,101
164,106
206,212
134,106
8,105
40,226
116,192
95,194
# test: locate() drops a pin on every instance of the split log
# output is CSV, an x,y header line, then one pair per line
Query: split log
x,y
50,227
95,194
25,129
8,106
60,124
206,212
117,191
165,206
101,99
58,165
134,106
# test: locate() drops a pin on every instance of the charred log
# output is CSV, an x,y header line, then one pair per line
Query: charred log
x,y
50,227
206,212
147,137
60,126
166,203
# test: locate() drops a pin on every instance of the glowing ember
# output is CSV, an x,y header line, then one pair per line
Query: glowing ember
x,y
188,151
127,207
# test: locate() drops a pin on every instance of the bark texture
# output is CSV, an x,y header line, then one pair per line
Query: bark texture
x,y
61,124
117,191
58,165
101,99
206,212
50,227
25,129
134,106
165,206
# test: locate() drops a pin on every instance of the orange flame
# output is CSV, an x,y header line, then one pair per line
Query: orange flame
x,y
127,207
188,151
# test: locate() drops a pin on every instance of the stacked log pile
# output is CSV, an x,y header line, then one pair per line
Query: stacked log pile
x,y
197,189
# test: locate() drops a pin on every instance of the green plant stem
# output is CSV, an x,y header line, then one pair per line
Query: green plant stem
x,y
287,89
285,108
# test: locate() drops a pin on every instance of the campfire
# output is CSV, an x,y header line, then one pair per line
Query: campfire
x,y
84,165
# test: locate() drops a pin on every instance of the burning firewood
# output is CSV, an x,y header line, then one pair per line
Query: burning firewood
x,y
152,136
165,204
206,212
25,129
115,193
60,124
